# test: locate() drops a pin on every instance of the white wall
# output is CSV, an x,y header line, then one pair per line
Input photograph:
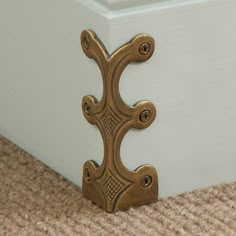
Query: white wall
x,y
43,79
191,79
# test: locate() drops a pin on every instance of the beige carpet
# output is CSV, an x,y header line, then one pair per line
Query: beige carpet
x,y
34,200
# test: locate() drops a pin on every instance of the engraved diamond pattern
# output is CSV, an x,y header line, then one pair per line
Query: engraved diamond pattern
x,y
111,186
110,121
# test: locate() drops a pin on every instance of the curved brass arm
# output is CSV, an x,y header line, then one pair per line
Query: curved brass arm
x,y
112,186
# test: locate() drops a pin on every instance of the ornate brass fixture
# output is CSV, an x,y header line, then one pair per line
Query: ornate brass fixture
x,y
112,186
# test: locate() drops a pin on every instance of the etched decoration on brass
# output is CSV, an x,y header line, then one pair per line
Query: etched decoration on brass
x,y
111,185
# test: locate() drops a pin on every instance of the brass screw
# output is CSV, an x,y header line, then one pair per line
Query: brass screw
x,y
146,181
87,109
144,48
87,175
145,116
86,42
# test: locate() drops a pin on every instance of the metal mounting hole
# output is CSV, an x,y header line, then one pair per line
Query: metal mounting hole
x,y
87,109
87,173
146,181
86,42
145,116
144,48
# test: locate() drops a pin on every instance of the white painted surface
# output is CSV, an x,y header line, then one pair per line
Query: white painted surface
x,y
43,79
110,8
121,4
190,78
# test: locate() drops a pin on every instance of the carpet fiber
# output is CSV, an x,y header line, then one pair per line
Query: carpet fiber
x,y
34,200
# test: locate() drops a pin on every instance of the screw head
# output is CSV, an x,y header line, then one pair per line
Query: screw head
x,y
145,116
87,109
144,48
87,175
146,181
86,42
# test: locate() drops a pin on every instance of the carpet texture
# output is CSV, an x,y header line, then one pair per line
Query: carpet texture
x,y
34,200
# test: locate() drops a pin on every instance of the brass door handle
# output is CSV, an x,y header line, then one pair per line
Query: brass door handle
x,y
112,186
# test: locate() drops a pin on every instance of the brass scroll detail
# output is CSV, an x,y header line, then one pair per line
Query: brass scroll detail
x,y
112,186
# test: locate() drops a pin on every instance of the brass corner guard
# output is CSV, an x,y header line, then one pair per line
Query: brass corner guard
x,y
112,186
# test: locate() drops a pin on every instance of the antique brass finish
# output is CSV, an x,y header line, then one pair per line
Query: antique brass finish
x,y
112,186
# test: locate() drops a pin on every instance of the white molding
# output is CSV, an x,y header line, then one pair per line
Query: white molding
x,y
110,10
114,6
121,4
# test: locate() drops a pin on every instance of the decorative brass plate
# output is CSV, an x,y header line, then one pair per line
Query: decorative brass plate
x,y
112,186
